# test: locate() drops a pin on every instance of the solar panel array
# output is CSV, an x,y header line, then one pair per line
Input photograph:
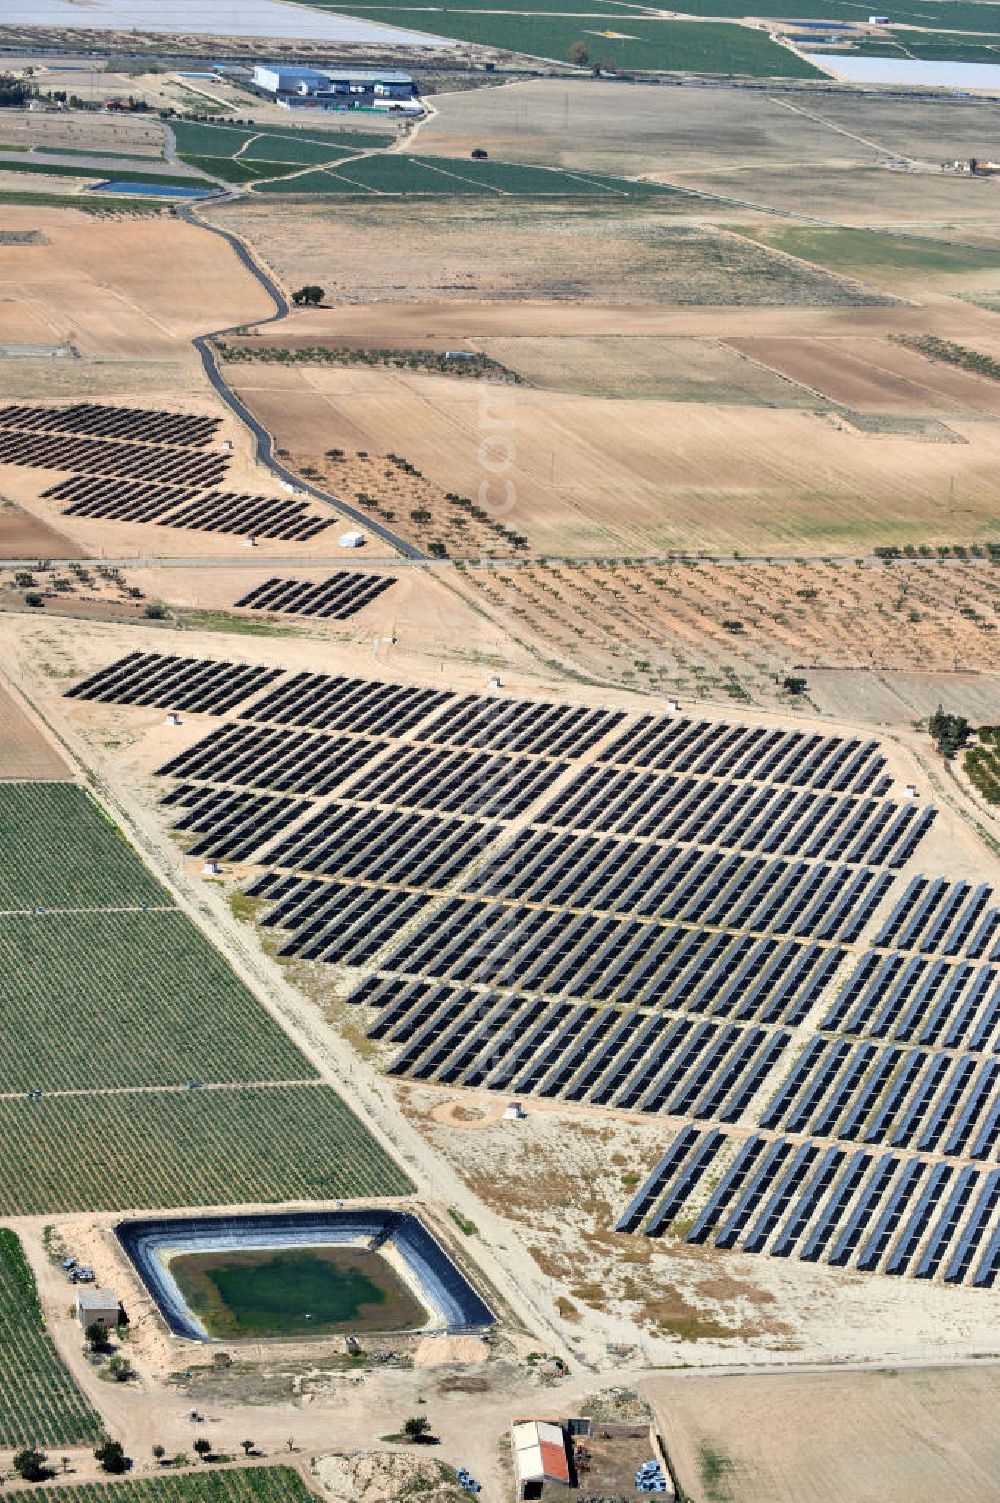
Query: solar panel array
x,y
338,596
537,912
181,506
174,683
134,464
867,1210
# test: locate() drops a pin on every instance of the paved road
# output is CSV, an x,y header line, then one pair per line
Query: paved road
x,y
264,444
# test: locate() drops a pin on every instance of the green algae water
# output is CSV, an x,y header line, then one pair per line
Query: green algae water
x,y
301,1291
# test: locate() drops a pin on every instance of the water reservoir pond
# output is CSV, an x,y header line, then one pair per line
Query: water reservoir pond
x,y
298,1291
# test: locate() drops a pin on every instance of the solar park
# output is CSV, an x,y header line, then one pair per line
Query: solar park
x,y
129,464
712,923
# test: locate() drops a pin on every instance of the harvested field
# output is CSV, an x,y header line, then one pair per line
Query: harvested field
x,y
23,536
736,630
809,1437
632,477
25,752
874,375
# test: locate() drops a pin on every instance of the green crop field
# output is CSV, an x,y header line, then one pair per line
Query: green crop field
x,y
642,42
99,1000
264,1484
947,15
109,992
39,1402
59,850
236,169
399,173
274,143
62,169
153,1149
295,153
861,251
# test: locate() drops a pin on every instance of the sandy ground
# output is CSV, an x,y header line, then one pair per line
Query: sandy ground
x,y
879,1437
25,536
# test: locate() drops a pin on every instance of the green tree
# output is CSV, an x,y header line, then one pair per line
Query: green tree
x,y
247,1446
309,296
111,1457
793,685
97,1336
948,732
203,1447
159,1452
417,1429
579,54
31,1465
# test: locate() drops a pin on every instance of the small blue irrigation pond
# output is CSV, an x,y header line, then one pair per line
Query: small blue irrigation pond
x,y
300,1273
151,190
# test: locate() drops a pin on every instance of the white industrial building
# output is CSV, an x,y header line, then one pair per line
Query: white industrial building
x,y
317,88
540,1457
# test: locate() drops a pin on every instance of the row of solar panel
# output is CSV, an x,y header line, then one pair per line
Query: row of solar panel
x,y
909,1098
767,817
896,1214
686,884
232,825
44,451
317,763
315,699
607,1056
949,918
235,512
150,425
338,596
563,954
176,683
378,845
915,999
738,751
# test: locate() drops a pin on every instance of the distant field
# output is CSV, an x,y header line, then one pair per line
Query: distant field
x,y
61,169
150,1150
857,251
39,1402
636,41
400,173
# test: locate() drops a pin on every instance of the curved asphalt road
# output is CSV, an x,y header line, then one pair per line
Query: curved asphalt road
x,y
263,443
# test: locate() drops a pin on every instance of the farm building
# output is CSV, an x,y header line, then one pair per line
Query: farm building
x,y
97,1307
540,1457
330,89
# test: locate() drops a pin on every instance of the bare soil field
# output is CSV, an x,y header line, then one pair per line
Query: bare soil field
x,y
875,375
872,1437
640,253
757,148
83,132
25,536
874,642
124,288
25,752
581,475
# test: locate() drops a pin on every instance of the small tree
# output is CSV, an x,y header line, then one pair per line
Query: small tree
x,y
155,612
417,1429
158,1453
247,1446
203,1447
111,1457
97,1336
793,685
579,54
309,296
31,1465
33,598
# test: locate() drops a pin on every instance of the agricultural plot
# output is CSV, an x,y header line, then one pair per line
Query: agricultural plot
x,y
223,1146
626,40
400,173
59,850
111,996
79,1012
265,1484
39,1402
245,155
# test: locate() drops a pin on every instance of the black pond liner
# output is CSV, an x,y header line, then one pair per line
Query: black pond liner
x,y
445,1292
